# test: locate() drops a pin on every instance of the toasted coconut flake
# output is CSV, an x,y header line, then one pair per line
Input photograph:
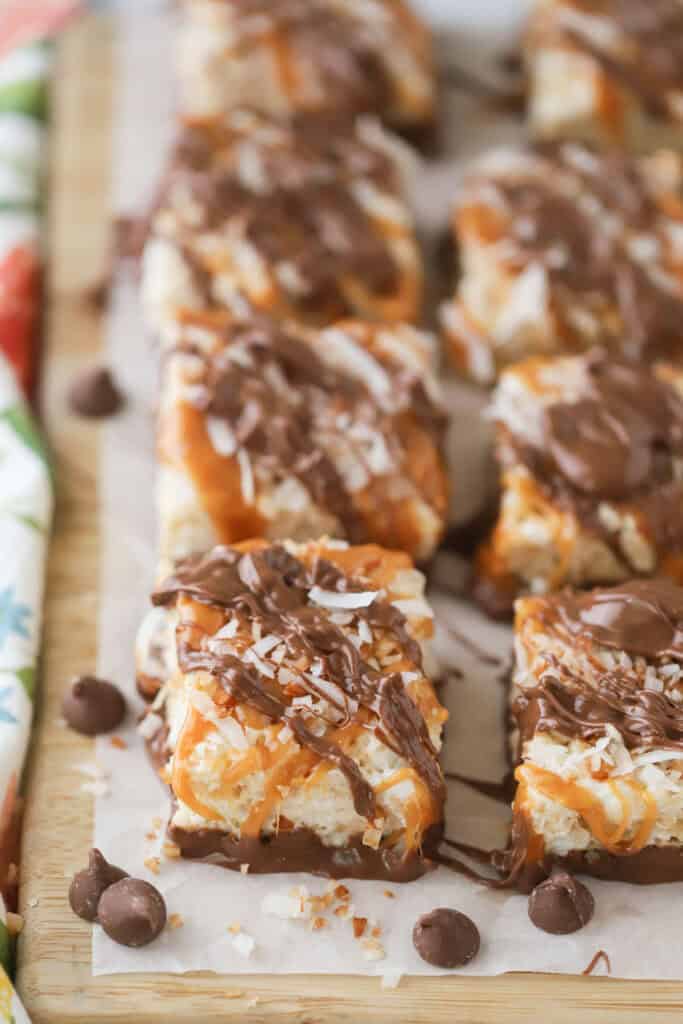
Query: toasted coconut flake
x,y
372,837
153,864
227,631
332,599
175,921
372,949
150,725
287,903
359,926
221,436
265,645
247,477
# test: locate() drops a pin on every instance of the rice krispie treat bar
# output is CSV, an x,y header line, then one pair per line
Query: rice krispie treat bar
x,y
280,432
563,248
598,704
607,71
305,217
296,724
330,56
591,450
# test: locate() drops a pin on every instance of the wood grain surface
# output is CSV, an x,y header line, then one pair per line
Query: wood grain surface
x,y
54,974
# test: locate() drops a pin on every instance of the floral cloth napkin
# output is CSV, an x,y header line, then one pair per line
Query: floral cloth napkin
x,y
23,106
25,515
25,485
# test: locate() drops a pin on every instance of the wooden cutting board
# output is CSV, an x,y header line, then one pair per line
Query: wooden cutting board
x,y
54,974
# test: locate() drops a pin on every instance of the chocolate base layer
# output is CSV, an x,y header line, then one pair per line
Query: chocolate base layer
x,y
297,850
302,850
650,866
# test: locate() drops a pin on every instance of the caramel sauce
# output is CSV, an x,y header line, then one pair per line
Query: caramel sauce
x,y
185,442
288,764
612,109
577,798
286,66
481,223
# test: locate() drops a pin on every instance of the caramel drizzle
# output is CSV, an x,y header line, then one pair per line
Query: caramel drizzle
x,y
642,67
570,707
283,428
649,314
271,586
309,215
618,443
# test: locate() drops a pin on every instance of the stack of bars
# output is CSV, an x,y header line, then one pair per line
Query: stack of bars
x,y
286,659
291,709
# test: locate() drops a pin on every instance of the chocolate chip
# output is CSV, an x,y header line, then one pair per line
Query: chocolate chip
x,y
132,912
446,938
561,905
89,884
94,393
93,706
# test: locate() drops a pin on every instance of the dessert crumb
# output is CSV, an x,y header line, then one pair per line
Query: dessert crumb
x,y
153,864
373,950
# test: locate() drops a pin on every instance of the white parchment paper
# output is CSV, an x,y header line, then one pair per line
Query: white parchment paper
x,y
208,898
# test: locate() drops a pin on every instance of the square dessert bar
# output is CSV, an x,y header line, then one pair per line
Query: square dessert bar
x,y
597,699
563,248
272,431
287,56
304,217
591,451
295,723
607,71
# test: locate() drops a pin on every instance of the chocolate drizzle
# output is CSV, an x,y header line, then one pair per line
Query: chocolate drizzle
x,y
298,211
283,412
552,226
573,708
270,585
342,47
641,617
649,59
619,441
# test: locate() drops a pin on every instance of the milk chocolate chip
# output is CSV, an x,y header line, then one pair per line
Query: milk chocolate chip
x,y
132,912
446,938
89,884
561,904
94,393
93,706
